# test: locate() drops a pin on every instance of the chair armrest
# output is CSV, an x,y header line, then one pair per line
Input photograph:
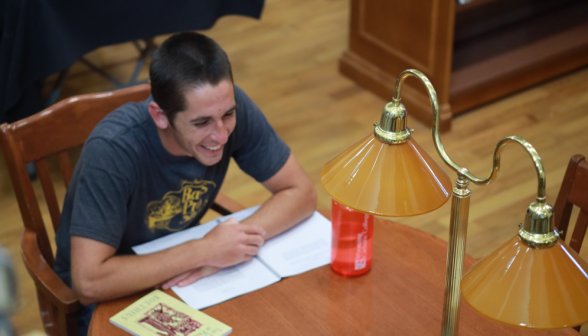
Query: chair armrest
x,y
225,205
45,278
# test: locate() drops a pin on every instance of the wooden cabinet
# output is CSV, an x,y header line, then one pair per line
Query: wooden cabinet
x,y
472,53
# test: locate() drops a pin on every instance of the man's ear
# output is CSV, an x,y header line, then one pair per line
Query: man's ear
x,y
158,116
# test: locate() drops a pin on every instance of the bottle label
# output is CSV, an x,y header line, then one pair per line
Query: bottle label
x,y
361,254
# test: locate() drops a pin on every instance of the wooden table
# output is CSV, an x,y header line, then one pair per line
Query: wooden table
x,y
401,295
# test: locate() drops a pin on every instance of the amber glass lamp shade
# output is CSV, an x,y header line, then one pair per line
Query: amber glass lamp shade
x,y
387,180
519,285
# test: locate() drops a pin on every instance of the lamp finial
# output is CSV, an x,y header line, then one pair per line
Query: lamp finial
x,y
538,228
392,127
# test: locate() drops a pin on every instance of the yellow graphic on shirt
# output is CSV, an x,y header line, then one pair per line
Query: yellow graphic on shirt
x,y
176,210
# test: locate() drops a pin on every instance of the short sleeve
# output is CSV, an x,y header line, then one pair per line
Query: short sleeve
x,y
259,151
99,210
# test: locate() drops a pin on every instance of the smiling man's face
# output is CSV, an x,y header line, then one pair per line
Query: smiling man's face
x,y
202,129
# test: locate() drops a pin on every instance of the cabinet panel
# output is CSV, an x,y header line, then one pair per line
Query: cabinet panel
x,y
384,25
387,37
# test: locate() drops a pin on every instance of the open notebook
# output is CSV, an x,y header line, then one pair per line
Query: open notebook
x,y
304,247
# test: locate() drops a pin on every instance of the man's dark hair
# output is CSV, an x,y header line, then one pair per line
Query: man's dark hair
x,y
183,61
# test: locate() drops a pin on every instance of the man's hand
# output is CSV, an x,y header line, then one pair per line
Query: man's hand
x,y
231,242
190,277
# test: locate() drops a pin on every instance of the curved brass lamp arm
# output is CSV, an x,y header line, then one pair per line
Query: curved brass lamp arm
x,y
532,153
439,146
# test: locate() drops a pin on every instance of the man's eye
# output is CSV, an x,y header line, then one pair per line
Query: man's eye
x,y
230,113
201,123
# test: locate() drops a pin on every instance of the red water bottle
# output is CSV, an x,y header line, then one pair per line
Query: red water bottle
x,y
353,232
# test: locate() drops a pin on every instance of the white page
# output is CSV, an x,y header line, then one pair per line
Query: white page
x,y
196,232
304,247
227,284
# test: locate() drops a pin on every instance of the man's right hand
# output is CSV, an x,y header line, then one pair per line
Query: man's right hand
x,y
231,242
189,277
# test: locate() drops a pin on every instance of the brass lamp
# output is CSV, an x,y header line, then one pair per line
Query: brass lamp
x,y
534,280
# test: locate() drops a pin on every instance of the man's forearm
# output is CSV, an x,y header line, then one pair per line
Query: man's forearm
x,y
285,209
99,275
118,276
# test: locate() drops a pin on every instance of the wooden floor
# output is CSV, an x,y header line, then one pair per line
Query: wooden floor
x,y
287,63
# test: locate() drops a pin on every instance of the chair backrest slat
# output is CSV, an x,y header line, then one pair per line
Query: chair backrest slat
x,y
49,192
579,231
65,166
579,190
23,188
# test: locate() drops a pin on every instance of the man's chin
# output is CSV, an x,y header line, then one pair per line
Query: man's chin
x,y
209,160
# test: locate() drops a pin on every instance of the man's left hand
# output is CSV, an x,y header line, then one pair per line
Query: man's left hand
x,y
190,277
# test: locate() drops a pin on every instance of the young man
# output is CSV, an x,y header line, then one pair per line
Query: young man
x,y
154,167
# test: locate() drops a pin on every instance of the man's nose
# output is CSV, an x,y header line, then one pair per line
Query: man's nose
x,y
220,133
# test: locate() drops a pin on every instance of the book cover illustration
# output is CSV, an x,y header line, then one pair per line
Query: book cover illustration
x,y
169,321
159,314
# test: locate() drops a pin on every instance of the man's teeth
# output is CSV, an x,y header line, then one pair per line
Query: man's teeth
x,y
212,148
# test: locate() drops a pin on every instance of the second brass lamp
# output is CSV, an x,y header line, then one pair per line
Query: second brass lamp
x,y
534,280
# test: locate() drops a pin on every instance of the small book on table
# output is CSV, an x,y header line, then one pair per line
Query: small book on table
x,y
158,314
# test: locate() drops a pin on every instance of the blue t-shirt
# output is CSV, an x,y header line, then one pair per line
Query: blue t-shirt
x,y
127,189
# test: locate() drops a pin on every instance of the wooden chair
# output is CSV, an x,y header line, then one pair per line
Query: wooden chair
x,y
54,131
573,191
